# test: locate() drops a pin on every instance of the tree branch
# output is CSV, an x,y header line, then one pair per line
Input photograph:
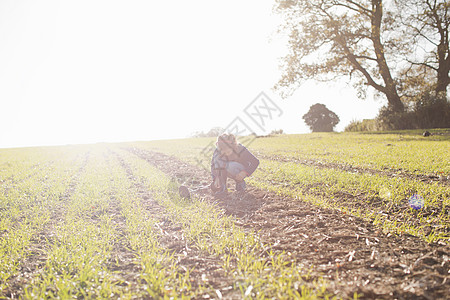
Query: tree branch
x,y
364,57
353,60
422,64
359,8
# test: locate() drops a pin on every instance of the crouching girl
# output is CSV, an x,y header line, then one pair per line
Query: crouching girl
x,y
231,159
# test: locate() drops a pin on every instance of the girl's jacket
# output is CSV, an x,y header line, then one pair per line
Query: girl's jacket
x,y
242,156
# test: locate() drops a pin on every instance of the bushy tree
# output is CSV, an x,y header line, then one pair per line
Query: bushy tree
x,y
320,119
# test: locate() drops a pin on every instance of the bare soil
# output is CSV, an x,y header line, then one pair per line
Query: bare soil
x,y
395,212
203,269
350,253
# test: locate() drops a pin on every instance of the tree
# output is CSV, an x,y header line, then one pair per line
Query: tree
x,y
334,38
320,119
213,132
426,26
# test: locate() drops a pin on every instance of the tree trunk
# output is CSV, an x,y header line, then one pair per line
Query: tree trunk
x,y
390,88
443,79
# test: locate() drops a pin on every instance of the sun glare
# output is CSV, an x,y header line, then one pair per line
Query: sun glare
x,y
94,71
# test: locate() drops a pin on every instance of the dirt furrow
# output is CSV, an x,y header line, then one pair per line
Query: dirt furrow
x,y
352,254
204,269
394,212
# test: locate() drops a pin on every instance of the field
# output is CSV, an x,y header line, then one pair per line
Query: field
x,y
326,215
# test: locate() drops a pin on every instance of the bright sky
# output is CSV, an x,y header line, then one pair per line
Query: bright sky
x,y
104,70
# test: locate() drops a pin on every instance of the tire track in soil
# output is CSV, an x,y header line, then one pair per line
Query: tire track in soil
x,y
35,261
443,179
188,257
352,254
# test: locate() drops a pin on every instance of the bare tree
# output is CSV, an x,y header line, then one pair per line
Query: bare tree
x,y
338,38
425,27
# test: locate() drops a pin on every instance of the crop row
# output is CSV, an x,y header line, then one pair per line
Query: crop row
x,y
26,207
159,275
73,221
81,258
374,197
257,271
412,153
80,244
400,151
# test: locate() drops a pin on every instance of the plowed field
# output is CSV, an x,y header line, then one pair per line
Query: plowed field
x,y
106,221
